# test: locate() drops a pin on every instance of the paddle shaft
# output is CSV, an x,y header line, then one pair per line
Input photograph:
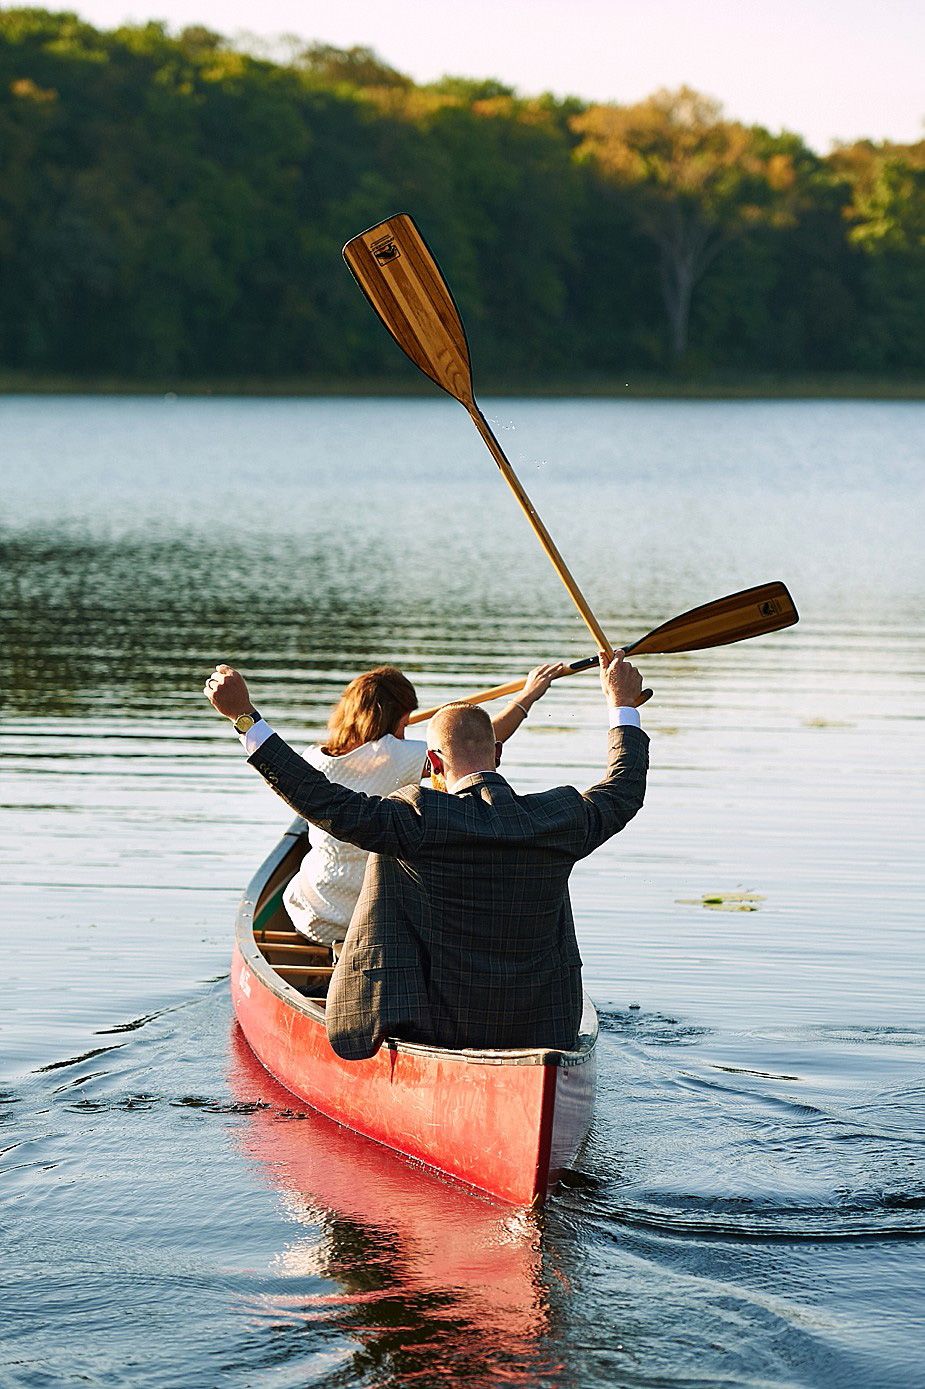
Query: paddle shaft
x,y
546,540
513,687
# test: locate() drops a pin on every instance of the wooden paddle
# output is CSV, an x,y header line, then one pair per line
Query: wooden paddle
x,y
397,272
750,613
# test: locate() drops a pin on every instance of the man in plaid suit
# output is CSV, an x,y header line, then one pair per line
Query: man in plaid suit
x,y
463,934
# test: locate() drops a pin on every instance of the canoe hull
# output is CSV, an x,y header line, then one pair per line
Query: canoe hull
x,y
504,1122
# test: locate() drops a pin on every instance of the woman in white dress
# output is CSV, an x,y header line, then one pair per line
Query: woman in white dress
x,y
367,750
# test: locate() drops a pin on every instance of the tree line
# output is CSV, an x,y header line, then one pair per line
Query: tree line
x,y
175,206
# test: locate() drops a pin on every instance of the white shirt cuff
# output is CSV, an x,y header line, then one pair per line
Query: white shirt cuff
x,y
256,735
623,716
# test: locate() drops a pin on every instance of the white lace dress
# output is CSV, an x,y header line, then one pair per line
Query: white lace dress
x,y
321,897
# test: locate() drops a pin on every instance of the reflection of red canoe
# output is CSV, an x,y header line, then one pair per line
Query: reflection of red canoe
x,y
505,1122
421,1236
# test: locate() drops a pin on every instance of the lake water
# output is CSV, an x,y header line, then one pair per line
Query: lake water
x,y
750,1208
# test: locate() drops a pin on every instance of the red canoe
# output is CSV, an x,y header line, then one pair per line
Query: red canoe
x,y
504,1122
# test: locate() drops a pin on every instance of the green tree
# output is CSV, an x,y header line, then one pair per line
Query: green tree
x,y
695,181
177,205
888,228
352,67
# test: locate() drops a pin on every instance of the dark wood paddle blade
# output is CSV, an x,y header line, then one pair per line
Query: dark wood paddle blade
x,y
753,612
396,270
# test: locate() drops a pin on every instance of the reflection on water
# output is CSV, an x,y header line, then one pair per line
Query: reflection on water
x,y
752,1197
750,1211
430,1279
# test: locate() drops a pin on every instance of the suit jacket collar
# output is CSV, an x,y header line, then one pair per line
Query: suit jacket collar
x,y
476,780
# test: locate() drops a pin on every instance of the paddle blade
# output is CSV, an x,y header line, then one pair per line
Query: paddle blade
x,y
395,269
751,613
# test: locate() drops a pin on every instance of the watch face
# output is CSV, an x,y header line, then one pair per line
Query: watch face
x,y
243,722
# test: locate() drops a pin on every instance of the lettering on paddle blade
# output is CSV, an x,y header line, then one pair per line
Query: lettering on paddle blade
x,y
769,607
385,249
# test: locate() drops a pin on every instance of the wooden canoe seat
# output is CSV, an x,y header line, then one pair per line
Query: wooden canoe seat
x,y
303,972
301,962
295,954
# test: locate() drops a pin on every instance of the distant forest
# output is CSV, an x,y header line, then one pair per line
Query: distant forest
x,y
175,207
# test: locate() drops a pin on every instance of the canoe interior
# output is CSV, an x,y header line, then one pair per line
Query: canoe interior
x,y
504,1122
306,967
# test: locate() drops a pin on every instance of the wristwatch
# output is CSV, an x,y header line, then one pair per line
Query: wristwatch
x,y
245,721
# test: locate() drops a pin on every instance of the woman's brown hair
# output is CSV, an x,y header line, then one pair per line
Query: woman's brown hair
x,y
372,705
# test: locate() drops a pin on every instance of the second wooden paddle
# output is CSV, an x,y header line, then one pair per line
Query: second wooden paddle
x,y
397,272
752,612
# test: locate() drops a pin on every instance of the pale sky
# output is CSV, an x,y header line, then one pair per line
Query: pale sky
x,y
828,69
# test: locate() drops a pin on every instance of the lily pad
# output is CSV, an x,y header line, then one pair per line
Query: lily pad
x,y
737,901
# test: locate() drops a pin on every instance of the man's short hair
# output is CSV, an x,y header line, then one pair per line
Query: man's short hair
x,y
460,732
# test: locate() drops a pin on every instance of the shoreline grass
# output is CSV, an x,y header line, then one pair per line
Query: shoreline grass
x,y
714,387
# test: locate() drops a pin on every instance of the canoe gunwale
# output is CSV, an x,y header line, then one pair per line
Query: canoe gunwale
x,y
260,966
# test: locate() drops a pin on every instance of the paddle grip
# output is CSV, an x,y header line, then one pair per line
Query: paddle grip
x,y
589,661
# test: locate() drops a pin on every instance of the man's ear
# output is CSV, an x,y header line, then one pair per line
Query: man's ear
x,y
497,754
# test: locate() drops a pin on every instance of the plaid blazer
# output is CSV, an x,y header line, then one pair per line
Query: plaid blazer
x,y
463,933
